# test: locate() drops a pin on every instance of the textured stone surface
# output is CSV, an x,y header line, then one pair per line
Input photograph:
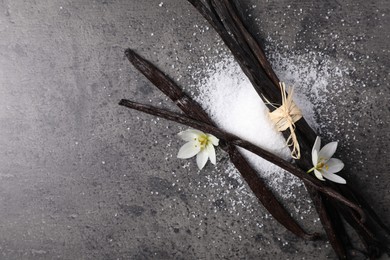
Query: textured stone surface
x,y
82,178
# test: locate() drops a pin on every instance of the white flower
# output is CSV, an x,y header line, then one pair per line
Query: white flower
x,y
199,144
324,165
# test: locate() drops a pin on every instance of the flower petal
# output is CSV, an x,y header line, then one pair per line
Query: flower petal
x,y
214,140
333,165
188,150
201,159
327,151
314,157
318,174
211,153
334,178
190,134
316,147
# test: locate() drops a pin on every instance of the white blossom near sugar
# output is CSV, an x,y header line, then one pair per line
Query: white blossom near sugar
x,y
324,164
199,144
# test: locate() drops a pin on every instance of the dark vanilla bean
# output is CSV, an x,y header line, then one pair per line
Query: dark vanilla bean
x,y
217,15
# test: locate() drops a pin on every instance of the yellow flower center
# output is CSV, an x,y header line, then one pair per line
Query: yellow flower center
x,y
203,141
321,164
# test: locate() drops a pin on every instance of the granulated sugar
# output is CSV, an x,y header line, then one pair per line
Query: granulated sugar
x,y
316,79
231,101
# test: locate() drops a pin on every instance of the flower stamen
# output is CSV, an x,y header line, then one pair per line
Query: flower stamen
x,y
203,141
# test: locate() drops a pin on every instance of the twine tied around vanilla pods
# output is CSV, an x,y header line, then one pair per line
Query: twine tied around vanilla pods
x,y
285,116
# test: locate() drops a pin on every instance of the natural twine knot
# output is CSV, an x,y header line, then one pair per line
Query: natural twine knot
x,y
285,116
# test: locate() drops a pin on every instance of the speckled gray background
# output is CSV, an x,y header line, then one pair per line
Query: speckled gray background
x,y
82,178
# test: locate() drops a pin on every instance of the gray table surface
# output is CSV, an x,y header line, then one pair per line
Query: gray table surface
x,y
82,178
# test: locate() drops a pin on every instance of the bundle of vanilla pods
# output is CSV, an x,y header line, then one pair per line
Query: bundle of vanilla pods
x,y
337,205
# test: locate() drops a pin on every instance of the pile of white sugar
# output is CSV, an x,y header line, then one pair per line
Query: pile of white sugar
x,y
231,101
